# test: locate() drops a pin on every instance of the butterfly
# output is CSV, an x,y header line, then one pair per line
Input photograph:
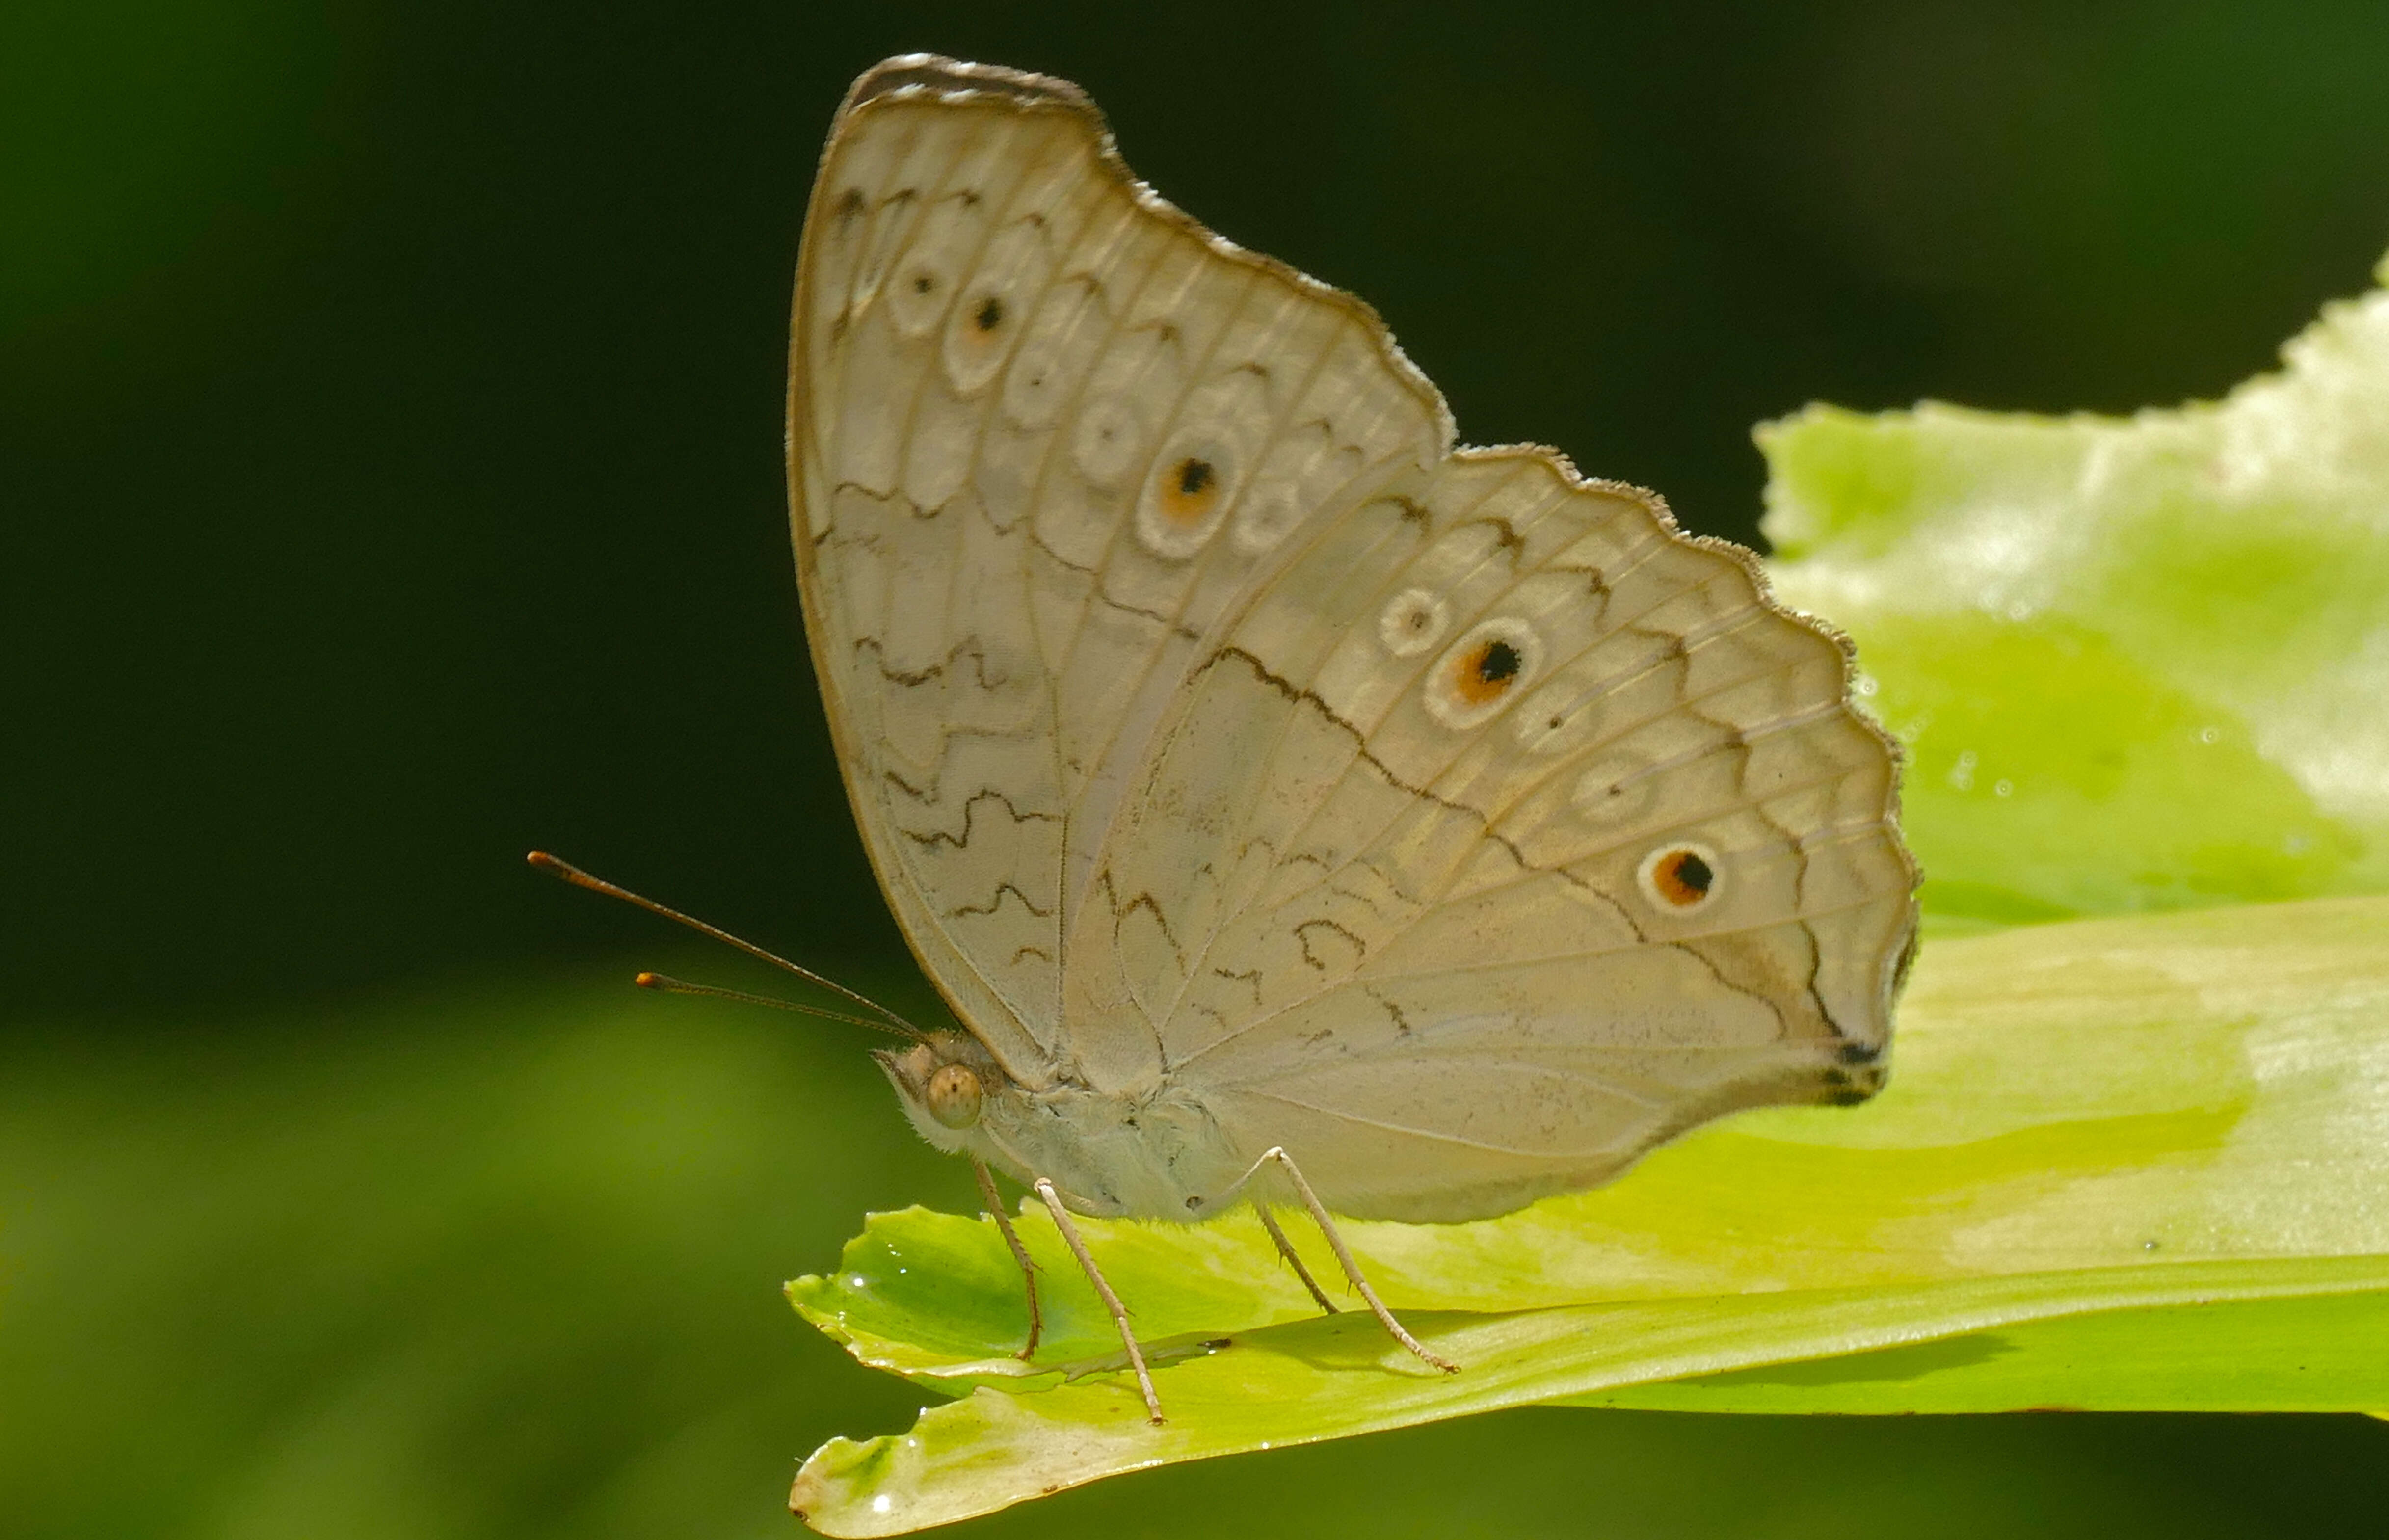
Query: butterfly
x,y
1290,806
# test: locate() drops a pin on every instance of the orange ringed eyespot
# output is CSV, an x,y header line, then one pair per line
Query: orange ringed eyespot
x,y
1474,680
1190,490
1681,877
1482,673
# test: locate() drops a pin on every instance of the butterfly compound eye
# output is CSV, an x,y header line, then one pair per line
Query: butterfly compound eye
x,y
953,1094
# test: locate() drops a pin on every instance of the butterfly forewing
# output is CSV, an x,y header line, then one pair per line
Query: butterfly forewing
x,y
1045,436
1217,729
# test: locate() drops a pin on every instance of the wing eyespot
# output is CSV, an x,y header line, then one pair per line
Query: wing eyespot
x,y
1483,672
1413,621
1487,671
1030,393
1550,728
978,338
1681,877
1186,498
1616,791
1267,515
1106,441
916,300
1190,490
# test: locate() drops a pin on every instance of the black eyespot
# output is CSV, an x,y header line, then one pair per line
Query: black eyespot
x,y
922,282
990,315
1193,476
1491,662
1678,878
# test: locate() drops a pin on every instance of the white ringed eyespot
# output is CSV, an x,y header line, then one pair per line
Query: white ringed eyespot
x,y
1681,877
1106,441
1413,621
1186,496
1269,513
1483,672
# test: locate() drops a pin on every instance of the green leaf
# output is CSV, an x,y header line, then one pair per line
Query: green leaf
x,y
1335,1376
2133,1154
2281,1354
2139,662
2128,1133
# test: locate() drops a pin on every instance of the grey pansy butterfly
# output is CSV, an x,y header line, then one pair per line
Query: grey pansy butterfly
x,y
1287,803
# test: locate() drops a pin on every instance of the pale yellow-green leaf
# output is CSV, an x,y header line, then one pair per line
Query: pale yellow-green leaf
x,y
2108,1119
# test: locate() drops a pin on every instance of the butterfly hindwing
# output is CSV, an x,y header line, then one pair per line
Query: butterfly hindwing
x,y
1387,895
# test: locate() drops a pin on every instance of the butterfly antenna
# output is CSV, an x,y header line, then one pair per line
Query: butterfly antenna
x,y
664,984
882,1017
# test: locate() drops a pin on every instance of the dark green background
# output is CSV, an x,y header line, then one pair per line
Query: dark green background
x,y
390,481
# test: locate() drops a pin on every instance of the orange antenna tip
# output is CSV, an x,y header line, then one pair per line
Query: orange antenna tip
x,y
564,870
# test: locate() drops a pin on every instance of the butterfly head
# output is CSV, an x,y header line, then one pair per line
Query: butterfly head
x,y
943,1083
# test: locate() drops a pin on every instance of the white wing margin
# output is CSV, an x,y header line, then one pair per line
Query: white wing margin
x,y
1047,437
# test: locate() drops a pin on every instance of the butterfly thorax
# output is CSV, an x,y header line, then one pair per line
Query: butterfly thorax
x,y
1150,1152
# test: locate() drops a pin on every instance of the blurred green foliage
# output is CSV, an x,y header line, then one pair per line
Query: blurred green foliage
x,y
2129,1165
495,1262
389,394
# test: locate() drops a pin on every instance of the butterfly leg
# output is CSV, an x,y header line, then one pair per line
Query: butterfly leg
x,y
1286,1249
1019,1253
1103,1290
1344,1259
